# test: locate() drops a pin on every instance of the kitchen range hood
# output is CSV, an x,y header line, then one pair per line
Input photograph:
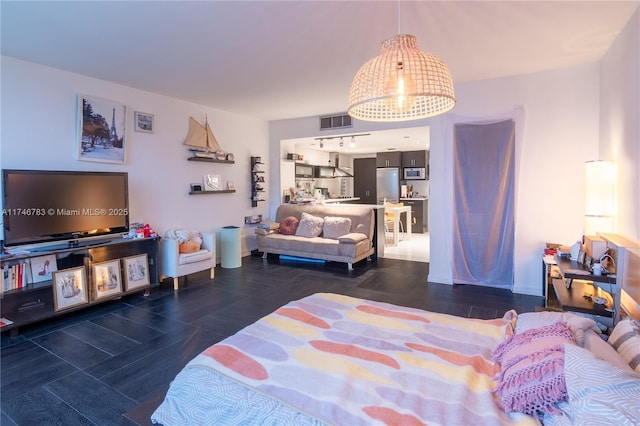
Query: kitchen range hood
x,y
334,160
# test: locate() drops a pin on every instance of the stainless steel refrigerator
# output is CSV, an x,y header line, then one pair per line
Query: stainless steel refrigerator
x,y
388,184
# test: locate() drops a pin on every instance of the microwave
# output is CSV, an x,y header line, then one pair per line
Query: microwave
x,y
304,170
415,173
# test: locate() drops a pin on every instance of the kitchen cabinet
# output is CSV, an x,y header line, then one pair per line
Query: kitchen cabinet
x,y
364,180
389,159
415,158
418,214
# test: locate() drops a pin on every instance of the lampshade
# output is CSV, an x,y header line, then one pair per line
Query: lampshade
x,y
599,196
400,84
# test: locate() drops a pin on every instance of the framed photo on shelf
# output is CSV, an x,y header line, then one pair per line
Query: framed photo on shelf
x,y
143,122
136,271
42,268
212,183
101,130
69,288
230,185
106,279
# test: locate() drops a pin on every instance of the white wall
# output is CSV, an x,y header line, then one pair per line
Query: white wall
x,y
620,123
560,134
39,113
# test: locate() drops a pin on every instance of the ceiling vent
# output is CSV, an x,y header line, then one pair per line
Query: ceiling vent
x,y
335,121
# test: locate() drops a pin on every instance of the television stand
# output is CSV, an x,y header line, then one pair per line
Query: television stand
x,y
33,297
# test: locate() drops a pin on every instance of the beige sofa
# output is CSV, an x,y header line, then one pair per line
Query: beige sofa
x,y
350,248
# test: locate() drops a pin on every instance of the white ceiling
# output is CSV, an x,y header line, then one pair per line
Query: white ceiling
x,y
285,59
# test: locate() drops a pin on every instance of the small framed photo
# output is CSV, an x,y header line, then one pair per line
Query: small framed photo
x,y
69,288
581,256
143,122
230,185
212,183
42,268
106,279
136,271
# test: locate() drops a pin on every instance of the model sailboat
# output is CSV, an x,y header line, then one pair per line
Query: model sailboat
x,y
200,140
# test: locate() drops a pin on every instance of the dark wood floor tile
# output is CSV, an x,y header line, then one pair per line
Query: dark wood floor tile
x,y
7,340
93,399
102,338
5,420
20,355
481,312
41,407
154,348
144,376
142,315
47,368
125,327
73,350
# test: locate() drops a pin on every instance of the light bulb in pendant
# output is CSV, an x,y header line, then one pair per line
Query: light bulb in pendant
x,y
401,91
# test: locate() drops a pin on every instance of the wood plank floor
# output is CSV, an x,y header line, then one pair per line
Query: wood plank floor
x,y
92,366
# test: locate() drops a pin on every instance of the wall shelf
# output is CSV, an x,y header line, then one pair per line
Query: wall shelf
x,y
257,181
222,191
210,160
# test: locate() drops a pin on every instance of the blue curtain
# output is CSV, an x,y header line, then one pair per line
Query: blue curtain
x,y
484,184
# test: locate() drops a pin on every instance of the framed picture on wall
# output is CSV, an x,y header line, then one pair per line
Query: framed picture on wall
x,y
101,130
143,122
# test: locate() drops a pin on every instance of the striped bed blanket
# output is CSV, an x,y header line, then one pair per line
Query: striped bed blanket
x,y
334,359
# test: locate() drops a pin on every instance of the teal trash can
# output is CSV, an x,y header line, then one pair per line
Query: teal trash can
x,y
231,250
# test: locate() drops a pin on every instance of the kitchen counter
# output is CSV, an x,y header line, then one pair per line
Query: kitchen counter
x,y
340,200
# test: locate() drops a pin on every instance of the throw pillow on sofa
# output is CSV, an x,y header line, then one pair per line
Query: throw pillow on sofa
x,y
289,225
310,226
336,227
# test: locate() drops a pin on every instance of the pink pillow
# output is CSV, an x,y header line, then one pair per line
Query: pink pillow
x,y
289,225
531,379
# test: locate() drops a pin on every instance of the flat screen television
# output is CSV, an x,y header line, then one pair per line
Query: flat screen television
x,y
44,206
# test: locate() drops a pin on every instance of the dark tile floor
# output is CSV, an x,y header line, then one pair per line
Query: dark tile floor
x,y
91,366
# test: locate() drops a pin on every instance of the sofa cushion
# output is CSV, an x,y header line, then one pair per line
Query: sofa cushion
x,y
334,227
197,256
310,226
289,225
352,238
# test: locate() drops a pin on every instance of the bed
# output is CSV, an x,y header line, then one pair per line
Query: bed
x,y
335,359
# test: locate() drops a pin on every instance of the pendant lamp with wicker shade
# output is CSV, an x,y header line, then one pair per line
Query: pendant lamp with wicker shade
x,y
401,84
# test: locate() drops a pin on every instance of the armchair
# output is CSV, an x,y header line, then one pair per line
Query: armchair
x,y
175,264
